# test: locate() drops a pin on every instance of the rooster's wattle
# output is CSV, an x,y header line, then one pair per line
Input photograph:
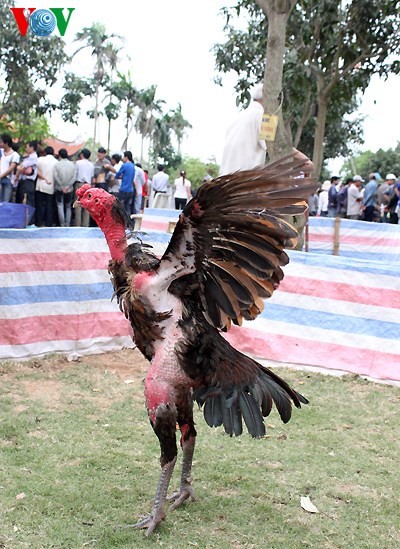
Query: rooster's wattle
x,y
224,258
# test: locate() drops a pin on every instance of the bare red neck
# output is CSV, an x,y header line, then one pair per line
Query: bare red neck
x,y
115,236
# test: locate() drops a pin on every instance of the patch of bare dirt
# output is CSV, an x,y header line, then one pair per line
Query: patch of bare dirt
x,y
127,364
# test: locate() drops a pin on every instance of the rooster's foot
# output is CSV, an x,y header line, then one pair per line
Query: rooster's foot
x,y
181,495
150,521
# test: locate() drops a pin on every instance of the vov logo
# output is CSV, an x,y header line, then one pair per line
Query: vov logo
x,y
41,22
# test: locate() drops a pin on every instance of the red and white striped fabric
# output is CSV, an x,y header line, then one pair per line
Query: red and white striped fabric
x,y
330,312
357,239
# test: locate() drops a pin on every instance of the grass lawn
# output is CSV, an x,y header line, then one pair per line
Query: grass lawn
x,y
78,459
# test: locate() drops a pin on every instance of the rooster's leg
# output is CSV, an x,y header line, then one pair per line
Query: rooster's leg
x,y
188,441
165,429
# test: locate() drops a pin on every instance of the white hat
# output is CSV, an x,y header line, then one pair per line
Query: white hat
x,y
358,178
257,92
390,176
326,185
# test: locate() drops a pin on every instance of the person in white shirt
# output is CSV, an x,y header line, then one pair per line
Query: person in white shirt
x,y
84,174
354,198
323,199
45,205
243,148
160,181
26,174
182,193
9,160
139,182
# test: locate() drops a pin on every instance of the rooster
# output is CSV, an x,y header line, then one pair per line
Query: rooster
x,y
223,260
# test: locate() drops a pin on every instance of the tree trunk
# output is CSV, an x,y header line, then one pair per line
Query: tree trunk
x,y
318,152
141,149
277,12
109,135
96,112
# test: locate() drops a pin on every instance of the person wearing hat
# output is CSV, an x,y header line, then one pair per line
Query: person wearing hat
x,y
393,194
243,148
323,199
354,198
370,198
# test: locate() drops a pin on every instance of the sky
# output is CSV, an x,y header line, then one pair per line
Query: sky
x,y
169,44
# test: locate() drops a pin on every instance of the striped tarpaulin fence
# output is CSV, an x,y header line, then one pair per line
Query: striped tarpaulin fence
x,y
356,239
331,312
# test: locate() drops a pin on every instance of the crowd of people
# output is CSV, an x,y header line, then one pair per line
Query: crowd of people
x,y
48,181
375,200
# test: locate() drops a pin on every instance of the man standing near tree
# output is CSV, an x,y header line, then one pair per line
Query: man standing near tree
x,y
243,147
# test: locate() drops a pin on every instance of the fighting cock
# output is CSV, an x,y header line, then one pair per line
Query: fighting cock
x,y
224,258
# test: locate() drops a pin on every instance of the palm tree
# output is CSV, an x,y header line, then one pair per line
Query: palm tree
x,y
105,54
178,124
148,107
124,91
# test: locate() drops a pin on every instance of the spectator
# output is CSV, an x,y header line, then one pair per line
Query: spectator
x,y
114,184
313,204
139,182
323,199
84,174
160,181
332,196
370,198
8,163
354,198
45,189
243,148
393,199
342,198
26,174
64,178
145,190
127,175
182,192
100,171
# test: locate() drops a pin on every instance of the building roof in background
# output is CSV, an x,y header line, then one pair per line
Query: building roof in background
x,y
72,147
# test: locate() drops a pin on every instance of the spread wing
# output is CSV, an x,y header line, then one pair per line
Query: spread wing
x,y
230,239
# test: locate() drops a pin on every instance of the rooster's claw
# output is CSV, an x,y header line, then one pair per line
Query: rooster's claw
x,y
180,496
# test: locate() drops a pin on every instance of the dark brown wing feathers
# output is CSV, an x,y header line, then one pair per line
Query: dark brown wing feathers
x,y
239,234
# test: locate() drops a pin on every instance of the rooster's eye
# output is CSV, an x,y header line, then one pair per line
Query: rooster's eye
x,y
89,195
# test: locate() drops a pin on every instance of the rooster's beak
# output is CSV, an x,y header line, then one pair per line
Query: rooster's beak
x,y
76,204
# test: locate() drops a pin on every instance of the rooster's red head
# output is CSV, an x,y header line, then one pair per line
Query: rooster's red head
x,y
96,201
108,214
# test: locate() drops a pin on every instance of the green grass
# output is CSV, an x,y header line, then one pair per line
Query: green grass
x,y
75,439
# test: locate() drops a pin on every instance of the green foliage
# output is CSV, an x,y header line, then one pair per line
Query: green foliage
x,y
93,147
332,51
37,128
178,124
105,53
381,161
195,170
29,66
76,89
